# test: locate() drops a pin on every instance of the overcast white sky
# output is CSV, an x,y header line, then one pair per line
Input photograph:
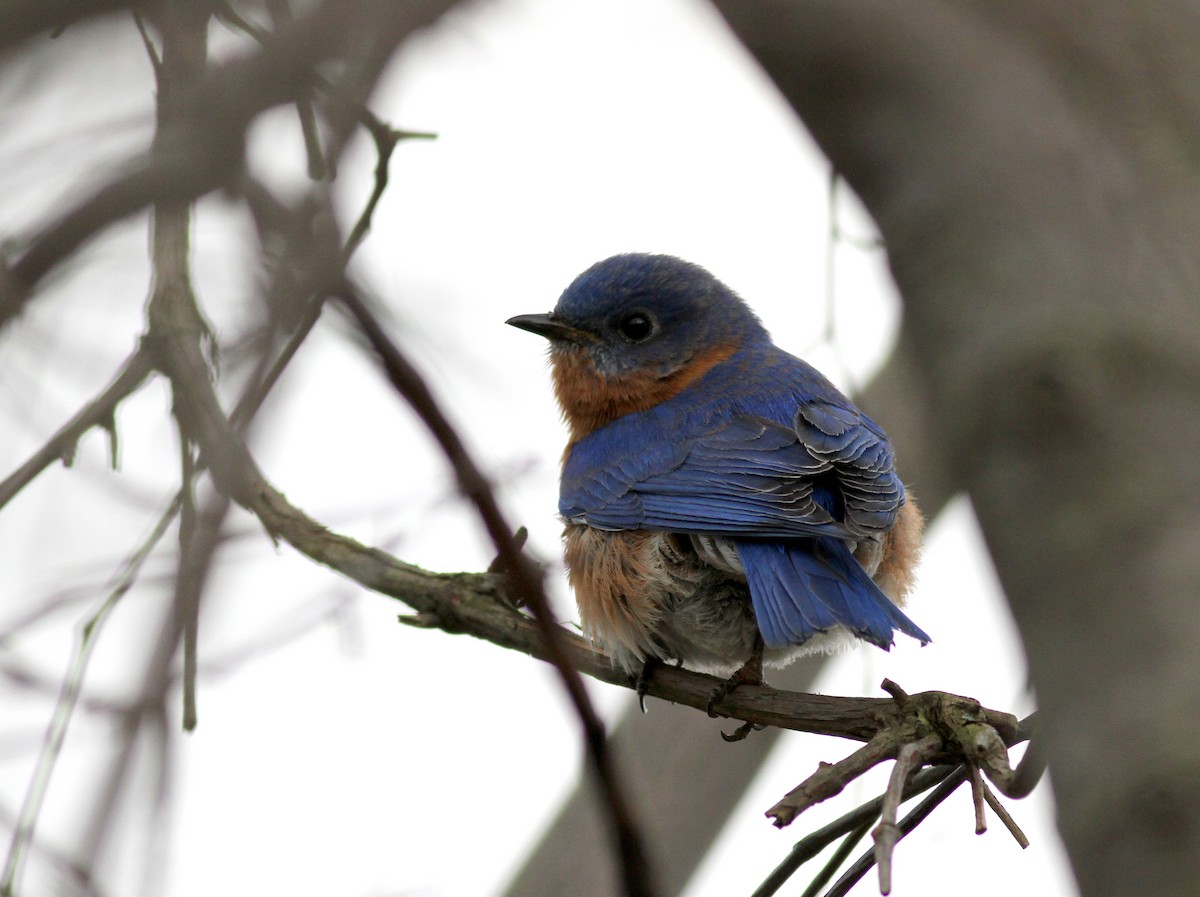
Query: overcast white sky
x,y
366,758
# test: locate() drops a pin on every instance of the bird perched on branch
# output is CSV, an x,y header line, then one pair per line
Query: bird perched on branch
x,y
721,497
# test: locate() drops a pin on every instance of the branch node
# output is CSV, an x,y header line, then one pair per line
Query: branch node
x,y
899,695
67,455
421,620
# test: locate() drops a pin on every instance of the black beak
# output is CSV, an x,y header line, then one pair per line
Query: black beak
x,y
551,327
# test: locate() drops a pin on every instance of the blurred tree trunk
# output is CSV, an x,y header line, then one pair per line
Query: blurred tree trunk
x,y
1032,167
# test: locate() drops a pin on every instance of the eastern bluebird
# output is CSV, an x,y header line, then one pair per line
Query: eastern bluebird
x,y
720,495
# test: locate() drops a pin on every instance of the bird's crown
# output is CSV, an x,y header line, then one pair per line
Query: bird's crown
x,y
639,311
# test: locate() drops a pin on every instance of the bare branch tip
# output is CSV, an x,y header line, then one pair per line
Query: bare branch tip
x,y
977,798
899,695
1004,816
421,620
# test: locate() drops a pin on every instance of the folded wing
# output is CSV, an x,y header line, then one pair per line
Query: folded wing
x,y
830,474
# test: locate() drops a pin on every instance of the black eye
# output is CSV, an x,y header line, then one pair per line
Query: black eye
x,y
636,327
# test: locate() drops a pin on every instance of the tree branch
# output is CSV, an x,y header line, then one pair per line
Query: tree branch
x,y
526,578
100,412
202,150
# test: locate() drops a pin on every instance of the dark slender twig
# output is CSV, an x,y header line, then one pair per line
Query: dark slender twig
x,y
148,44
888,803
385,143
835,861
1005,817
384,136
811,845
223,9
189,574
318,169
526,578
918,815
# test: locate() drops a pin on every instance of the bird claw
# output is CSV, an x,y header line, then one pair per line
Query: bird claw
x,y
741,732
749,673
744,676
642,685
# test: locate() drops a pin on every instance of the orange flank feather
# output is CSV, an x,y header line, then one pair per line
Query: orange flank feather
x,y
611,573
901,548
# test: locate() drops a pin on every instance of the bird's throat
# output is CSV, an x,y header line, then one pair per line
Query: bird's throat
x,y
589,399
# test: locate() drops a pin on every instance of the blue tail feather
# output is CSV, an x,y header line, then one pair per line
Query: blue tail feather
x,y
803,587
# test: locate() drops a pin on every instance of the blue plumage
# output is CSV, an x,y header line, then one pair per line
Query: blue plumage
x,y
799,590
687,420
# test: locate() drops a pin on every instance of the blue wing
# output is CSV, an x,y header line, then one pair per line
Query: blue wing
x,y
748,476
801,589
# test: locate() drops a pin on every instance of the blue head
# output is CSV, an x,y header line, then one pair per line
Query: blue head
x,y
645,313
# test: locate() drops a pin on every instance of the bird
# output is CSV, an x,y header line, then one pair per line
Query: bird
x,y
725,505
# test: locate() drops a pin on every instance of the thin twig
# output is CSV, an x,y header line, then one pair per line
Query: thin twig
x,y
223,9
527,579
188,576
1009,823
918,815
385,143
865,815
835,861
64,708
148,44
318,168
98,412
831,778
887,833
384,136
977,799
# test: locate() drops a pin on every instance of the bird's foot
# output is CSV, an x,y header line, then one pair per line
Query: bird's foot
x,y
742,731
642,684
750,673
746,675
